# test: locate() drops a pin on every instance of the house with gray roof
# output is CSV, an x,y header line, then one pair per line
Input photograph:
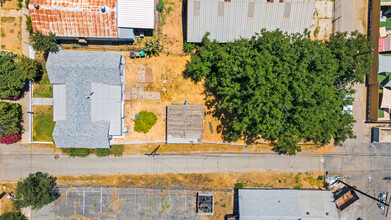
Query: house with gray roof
x,y
87,97
227,20
276,204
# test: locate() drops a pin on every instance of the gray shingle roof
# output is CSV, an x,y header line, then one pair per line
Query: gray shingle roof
x,y
78,70
229,20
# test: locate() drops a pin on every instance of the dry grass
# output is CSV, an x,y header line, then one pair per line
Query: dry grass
x,y
214,148
6,205
9,5
200,180
172,31
11,35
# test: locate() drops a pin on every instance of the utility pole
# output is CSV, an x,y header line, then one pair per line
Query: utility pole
x,y
355,189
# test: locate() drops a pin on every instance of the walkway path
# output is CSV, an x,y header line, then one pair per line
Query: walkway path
x,y
41,101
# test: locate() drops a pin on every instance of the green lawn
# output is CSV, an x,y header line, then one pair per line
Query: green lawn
x,y
43,88
43,123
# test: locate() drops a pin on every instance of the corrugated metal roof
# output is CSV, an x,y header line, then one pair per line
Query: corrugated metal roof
x,y
81,72
136,13
77,18
276,204
185,124
229,20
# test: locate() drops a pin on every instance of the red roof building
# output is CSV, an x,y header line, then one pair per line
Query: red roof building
x,y
90,19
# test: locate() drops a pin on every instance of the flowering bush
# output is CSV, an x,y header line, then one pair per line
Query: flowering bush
x,y
10,139
10,127
13,97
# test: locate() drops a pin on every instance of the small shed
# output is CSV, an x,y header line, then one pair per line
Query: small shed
x,y
185,124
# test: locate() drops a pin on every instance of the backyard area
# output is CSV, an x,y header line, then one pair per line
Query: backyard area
x,y
43,123
11,34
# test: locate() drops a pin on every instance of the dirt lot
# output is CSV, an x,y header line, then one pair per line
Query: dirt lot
x,y
172,30
200,180
11,35
6,205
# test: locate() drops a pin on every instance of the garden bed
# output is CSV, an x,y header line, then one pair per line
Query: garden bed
x,y
43,88
43,123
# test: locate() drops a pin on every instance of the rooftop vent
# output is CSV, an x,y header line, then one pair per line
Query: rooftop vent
x,y
103,9
36,6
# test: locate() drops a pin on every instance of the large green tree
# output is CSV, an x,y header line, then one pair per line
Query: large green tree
x,y
13,216
283,88
37,190
15,70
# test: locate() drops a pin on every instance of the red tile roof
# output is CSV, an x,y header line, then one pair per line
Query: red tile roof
x,y
75,18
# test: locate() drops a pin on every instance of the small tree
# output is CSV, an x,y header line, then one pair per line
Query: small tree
x,y
37,190
12,216
145,121
153,47
43,43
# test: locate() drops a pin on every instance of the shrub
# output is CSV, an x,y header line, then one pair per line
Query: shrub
x,y
20,4
145,121
10,127
26,3
188,47
29,25
102,152
239,185
12,216
44,43
160,6
152,47
37,190
117,150
76,152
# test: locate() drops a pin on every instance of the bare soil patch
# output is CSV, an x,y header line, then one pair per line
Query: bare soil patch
x,y
11,34
307,180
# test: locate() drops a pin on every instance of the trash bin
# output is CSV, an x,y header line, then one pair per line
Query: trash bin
x,y
142,53
132,55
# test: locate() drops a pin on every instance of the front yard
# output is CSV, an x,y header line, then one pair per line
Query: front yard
x,y
43,123
43,88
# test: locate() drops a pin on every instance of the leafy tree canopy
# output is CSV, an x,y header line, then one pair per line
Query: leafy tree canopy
x,y
37,190
13,216
15,70
44,43
283,88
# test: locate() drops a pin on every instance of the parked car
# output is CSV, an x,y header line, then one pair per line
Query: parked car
x,y
383,198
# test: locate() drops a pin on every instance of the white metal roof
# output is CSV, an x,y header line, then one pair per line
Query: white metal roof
x,y
59,99
235,19
136,14
279,204
106,105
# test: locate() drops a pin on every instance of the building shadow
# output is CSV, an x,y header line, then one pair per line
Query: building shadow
x,y
184,20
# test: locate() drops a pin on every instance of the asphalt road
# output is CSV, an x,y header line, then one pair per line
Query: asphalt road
x,y
18,163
